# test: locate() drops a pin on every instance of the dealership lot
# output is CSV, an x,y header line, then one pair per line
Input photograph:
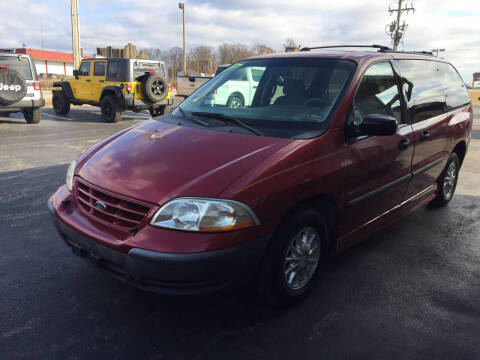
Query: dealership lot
x,y
411,291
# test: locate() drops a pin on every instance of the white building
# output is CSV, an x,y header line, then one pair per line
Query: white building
x,y
48,62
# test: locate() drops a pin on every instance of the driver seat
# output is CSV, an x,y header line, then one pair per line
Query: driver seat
x,y
294,91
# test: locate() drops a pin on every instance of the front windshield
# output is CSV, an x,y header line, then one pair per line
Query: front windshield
x,y
284,97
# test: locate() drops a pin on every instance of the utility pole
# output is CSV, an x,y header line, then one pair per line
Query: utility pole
x,y
395,29
75,35
182,7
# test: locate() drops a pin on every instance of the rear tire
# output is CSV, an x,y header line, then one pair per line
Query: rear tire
x,y
111,111
60,103
33,116
161,110
301,244
447,183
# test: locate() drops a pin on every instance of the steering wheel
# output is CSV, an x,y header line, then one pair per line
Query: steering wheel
x,y
320,101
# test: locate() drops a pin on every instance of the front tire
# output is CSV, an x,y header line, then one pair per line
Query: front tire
x,y
33,116
111,111
296,256
447,183
60,103
235,101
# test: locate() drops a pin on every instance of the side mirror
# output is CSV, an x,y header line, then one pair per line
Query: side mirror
x,y
75,73
378,124
191,78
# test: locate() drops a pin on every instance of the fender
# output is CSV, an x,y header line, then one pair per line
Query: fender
x,y
67,89
115,90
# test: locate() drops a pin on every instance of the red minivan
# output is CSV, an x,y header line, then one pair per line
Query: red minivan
x,y
324,148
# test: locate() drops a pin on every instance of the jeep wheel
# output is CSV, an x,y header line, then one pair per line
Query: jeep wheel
x,y
60,103
33,116
111,112
161,110
155,88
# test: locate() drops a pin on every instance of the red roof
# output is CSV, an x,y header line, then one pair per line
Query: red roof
x,y
47,55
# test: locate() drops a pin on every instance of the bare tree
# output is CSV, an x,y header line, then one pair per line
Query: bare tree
x,y
202,59
262,49
175,59
290,44
231,53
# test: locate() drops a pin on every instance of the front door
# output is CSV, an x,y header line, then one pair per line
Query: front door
x,y
378,168
81,86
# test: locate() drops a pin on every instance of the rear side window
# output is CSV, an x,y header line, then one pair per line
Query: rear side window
x,y
139,69
84,69
377,94
99,68
423,88
20,64
455,90
114,71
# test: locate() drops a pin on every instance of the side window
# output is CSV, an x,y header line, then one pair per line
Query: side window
x,y
377,94
455,90
114,71
84,69
99,68
423,88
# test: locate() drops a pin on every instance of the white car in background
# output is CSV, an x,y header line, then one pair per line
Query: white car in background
x,y
238,91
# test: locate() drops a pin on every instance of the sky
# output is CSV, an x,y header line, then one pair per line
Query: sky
x,y
452,25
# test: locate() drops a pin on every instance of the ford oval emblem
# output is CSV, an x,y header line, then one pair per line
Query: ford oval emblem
x,y
100,205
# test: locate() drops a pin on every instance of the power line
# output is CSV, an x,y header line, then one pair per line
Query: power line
x,y
395,29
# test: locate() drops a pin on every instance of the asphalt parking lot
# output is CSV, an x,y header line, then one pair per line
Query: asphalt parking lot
x,y
409,292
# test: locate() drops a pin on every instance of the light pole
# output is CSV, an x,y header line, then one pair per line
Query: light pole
x,y
182,7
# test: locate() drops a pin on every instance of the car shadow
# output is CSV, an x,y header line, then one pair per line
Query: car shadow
x,y
89,115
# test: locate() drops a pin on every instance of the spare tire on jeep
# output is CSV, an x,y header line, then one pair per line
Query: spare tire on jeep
x,y
12,86
154,88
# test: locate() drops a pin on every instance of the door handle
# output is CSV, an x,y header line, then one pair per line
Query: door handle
x,y
424,135
88,80
403,144
101,80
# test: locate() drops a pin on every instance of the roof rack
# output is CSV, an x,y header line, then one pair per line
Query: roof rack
x,y
381,48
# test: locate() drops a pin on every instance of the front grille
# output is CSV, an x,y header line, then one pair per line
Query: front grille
x,y
119,212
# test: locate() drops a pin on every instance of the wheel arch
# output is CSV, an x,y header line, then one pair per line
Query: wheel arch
x,y
460,149
237,93
111,90
326,206
65,86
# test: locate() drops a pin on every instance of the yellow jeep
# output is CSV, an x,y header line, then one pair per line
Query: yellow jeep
x,y
116,85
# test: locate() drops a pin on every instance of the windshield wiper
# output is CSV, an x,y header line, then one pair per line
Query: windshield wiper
x,y
231,119
184,115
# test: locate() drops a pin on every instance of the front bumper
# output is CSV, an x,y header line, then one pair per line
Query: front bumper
x,y
22,105
169,273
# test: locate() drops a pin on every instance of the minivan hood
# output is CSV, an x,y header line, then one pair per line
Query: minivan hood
x,y
156,161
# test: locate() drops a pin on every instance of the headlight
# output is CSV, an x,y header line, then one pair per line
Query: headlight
x,y
70,172
204,215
